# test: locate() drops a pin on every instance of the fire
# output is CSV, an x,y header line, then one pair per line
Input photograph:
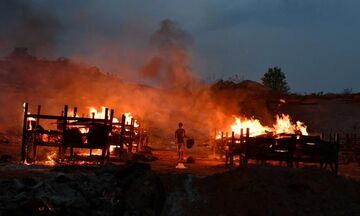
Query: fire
x,y
256,128
50,159
302,128
283,124
100,114
128,118
30,120
82,152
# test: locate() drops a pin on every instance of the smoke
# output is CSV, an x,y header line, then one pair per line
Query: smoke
x,y
22,25
169,65
179,97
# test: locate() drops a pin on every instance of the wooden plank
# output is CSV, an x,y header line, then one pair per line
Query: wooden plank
x,y
49,132
46,117
54,117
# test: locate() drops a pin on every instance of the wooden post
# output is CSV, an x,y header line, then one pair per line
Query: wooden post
x,y
71,148
122,133
24,133
140,140
110,128
36,126
106,115
75,111
241,135
132,122
231,148
123,119
93,122
246,144
103,150
64,127
111,116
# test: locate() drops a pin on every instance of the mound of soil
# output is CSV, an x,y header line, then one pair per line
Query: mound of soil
x,y
79,190
257,190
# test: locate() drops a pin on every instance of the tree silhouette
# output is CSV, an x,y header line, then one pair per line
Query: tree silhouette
x,y
275,79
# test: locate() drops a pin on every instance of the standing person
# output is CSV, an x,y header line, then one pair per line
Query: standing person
x,y
180,140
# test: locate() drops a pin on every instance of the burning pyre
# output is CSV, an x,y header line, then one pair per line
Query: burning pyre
x,y
81,132
283,125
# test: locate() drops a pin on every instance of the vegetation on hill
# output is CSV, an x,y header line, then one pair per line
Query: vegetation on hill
x,y
275,79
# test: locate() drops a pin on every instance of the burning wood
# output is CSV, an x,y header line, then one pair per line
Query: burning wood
x,y
282,125
284,147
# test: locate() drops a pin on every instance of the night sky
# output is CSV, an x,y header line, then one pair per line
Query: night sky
x,y
315,42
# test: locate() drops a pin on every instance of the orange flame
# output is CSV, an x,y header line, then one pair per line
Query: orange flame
x,y
128,118
50,159
256,128
283,124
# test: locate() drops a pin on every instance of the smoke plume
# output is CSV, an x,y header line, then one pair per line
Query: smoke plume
x,y
22,25
169,65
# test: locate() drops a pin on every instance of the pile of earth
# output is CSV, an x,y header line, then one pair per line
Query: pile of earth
x,y
264,190
80,190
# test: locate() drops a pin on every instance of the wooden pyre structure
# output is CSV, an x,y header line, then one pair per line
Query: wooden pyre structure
x,y
99,134
288,148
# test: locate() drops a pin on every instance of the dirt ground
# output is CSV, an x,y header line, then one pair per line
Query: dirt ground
x,y
205,187
206,166
205,163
